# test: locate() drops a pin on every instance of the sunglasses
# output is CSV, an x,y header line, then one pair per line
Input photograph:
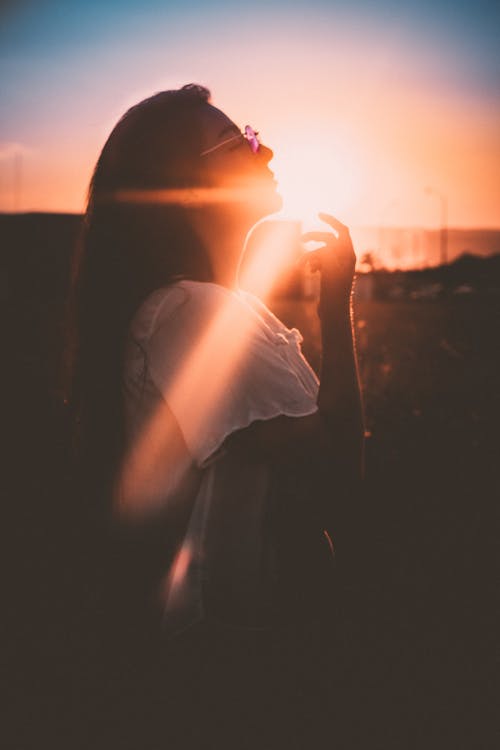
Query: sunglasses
x,y
249,134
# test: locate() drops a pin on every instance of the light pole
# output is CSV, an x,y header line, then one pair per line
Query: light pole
x,y
382,228
443,232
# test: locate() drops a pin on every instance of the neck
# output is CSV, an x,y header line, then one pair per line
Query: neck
x,y
224,242
224,260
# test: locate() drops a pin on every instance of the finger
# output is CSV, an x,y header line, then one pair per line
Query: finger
x,y
333,222
316,237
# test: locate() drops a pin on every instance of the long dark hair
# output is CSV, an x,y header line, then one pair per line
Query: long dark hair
x,y
127,250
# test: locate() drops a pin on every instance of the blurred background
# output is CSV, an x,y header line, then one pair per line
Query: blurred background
x,y
385,114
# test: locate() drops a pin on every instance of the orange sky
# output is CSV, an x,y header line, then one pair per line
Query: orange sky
x,y
361,118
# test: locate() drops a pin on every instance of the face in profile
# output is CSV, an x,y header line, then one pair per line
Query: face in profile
x,y
238,164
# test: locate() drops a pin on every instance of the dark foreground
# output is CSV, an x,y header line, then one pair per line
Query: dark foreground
x,y
420,564
417,568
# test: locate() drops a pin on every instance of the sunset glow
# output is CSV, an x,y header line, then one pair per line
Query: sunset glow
x,y
318,170
363,106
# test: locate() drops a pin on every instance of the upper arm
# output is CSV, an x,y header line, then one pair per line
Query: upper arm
x,y
285,438
307,448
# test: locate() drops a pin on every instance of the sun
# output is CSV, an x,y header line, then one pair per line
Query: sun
x,y
318,170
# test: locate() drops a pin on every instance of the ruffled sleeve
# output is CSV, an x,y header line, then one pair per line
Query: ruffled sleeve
x,y
221,363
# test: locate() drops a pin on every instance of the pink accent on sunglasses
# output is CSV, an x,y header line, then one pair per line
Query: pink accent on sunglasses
x,y
250,136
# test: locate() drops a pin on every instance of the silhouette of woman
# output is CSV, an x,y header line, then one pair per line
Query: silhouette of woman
x,y
225,462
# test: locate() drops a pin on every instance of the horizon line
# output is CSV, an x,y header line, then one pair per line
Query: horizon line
x,y
407,227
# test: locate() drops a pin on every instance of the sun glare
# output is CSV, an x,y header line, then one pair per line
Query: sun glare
x,y
272,248
317,171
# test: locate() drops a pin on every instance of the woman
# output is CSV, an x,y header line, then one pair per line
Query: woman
x,y
198,418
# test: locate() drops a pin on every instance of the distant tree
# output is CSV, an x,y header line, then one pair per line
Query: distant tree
x,y
369,262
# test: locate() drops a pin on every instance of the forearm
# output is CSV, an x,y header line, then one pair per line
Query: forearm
x,y
339,398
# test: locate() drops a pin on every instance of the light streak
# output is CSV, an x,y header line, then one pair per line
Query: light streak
x,y
198,390
199,196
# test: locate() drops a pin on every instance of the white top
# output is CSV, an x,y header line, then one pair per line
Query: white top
x,y
221,360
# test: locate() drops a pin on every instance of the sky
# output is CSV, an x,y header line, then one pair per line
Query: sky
x,y
365,104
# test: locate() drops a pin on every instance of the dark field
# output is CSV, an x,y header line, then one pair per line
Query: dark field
x,y
416,560
419,566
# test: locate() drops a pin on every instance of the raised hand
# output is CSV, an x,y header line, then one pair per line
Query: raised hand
x,y
335,260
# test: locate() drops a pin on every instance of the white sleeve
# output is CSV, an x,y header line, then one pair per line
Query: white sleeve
x,y
220,367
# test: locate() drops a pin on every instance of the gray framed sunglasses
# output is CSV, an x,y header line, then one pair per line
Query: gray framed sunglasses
x,y
249,134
